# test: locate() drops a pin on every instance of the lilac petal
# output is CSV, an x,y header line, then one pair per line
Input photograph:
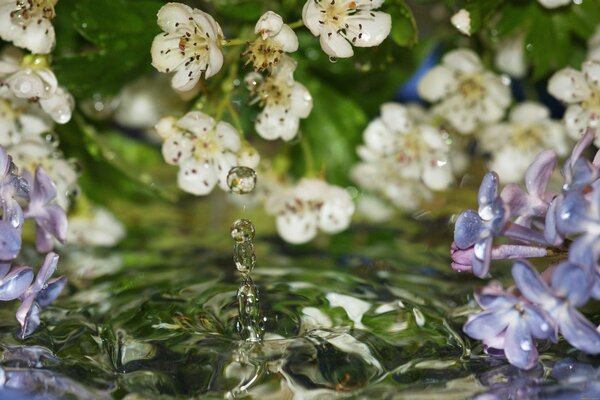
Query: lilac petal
x,y
579,147
43,188
493,295
5,161
571,216
585,251
583,173
516,199
519,347
595,293
54,222
10,241
46,271
531,285
468,229
572,282
488,323
47,295
483,256
551,234
15,283
540,324
4,268
13,213
578,331
500,215
488,191
28,315
44,241
538,173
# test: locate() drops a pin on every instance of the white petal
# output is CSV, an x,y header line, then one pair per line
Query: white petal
x,y
269,24
301,102
273,122
249,157
569,85
287,39
438,177
576,120
374,209
395,117
554,3
166,56
215,62
529,111
229,136
310,189
177,148
166,127
335,214
196,122
436,83
37,38
334,44
591,72
223,163
311,13
369,30
198,178
379,137
186,78
510,56
496,90
297,228
462,60
489,111
25,84
171,15
462,21
463,120
433,138
59,106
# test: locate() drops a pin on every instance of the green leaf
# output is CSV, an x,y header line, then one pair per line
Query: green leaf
x,y
481,11
404,27
332,131
120,34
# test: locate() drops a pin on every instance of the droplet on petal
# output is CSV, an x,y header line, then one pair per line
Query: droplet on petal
x,y
241,180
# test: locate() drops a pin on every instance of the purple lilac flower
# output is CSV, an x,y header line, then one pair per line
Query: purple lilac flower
x,y
462,259
477,229
40,294
11,186
512,324
570,287
50,219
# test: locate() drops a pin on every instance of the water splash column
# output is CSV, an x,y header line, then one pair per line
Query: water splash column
x,y
242,180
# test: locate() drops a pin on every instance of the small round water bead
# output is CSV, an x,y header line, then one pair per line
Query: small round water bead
x,y
242,230
241,180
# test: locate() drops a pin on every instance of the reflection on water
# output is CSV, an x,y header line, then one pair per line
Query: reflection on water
x,y
370,315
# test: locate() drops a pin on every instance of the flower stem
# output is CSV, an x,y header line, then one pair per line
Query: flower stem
x,y
296,24
309,162
234,42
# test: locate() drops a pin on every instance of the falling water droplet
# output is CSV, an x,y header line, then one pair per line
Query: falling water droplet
x,y
244,257
333,60
242,230
249,322
241,180
51,138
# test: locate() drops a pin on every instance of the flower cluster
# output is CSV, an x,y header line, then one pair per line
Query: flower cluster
x,y
38,192
536,222
412,155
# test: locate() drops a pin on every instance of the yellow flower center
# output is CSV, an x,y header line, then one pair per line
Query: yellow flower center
x,y
592,103
471,88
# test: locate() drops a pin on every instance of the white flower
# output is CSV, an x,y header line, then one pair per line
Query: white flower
x,y
510,56
340,23
30,78
19,122
284,102
462,21
554,3
593,45
464,92
28,24
398,151
274,38
204,149
190,46
95,227
581,90
515,144
310,205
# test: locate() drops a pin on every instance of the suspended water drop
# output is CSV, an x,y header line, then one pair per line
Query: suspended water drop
x,y
242,230
249,322
333,60
241,180
51,138
245,263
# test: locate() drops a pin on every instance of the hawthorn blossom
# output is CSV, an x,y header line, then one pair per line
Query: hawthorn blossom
x,y
284,101
593,45
19,121
28,24
42,292
50,219
581,91
510,324
190,45
401,154
464,93
554,3
462,21
310,205
30,78
274,39
510,56
514,144
204,150
341,24
94,226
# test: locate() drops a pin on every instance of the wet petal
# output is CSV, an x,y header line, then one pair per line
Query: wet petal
x,y
46,271
49,293
578,331
572,282
531,285
229,136
519,347
196,177
274,122
301,102
585,251
334,44
43,189
15,283
540,324
538,173
488,191
483,256
10,241
516,199
373,28
494,296
171,15
54,221
551,233
28,315
489,323
468,229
